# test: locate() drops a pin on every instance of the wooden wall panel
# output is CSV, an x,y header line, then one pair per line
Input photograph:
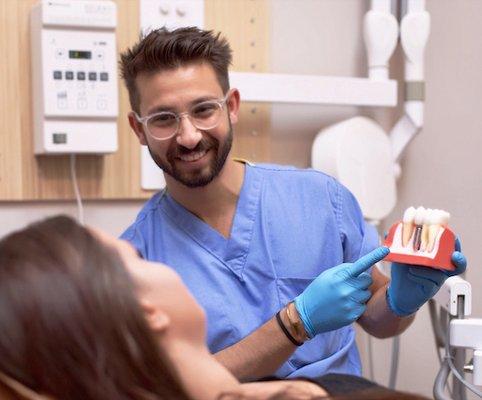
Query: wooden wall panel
x,y
246,24
24,176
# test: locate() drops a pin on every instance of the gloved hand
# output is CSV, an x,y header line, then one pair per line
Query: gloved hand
x,y
412,286
337,296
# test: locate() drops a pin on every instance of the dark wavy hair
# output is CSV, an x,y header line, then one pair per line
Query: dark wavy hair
x,y
71,326
162,49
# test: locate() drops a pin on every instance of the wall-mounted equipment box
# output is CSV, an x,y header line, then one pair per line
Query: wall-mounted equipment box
x,y
74,76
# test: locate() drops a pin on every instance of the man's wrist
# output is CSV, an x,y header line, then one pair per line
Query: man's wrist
x,y
294,323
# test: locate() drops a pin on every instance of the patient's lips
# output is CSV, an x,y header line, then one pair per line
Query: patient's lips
x,y
408,218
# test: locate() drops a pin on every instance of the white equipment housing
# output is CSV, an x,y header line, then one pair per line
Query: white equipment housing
x,y
467,333
447,296
74,76
358,153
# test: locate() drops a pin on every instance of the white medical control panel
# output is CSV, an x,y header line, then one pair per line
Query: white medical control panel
x,y
75,94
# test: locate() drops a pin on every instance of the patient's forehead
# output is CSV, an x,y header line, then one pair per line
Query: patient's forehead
x,y
124,247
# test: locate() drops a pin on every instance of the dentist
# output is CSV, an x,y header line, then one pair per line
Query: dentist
x,y
280,258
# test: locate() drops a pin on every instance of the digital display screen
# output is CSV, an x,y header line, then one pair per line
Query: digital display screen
x,y
80,54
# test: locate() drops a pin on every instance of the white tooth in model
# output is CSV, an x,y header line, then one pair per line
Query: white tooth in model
x,y
417,236
426,224
438,220
407,231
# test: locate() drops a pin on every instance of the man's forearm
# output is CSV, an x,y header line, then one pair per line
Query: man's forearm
x,y
378,320
259,354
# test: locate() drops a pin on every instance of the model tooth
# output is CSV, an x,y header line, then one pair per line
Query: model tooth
x,y
427,222
436,220
407,228
417,236
445,218
419,216
433,229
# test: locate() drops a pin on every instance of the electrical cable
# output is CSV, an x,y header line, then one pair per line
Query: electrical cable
x,y
371,363
441,381
437,329
73,175
394,367
439,338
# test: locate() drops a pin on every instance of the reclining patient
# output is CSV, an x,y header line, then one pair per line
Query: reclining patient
x,y
83,317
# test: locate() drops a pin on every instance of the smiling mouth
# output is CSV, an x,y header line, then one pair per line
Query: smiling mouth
x,y
192,156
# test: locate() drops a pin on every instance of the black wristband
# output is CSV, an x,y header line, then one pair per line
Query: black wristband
x,y
286,331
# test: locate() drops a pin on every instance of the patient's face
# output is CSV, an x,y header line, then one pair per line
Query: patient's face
x,y
162,288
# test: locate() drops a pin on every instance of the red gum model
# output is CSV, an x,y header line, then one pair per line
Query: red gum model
x,y
442,259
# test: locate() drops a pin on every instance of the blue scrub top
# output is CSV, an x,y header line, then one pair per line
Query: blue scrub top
x,y
290,225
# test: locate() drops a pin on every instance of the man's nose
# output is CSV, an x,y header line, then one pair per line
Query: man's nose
x,y
188,136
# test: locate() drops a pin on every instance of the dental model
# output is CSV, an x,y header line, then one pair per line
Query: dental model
x,y
422,238
408,218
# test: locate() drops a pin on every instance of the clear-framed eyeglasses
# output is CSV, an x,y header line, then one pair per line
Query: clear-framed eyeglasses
x,y
165,124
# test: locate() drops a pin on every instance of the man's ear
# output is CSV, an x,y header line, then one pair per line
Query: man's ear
x,y
157,319
137,128
233,104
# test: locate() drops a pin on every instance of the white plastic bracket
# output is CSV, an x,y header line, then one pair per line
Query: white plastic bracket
x,y
448,295
467,333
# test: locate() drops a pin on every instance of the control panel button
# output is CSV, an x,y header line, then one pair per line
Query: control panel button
x,y
59,138
69,75
99,55
81,76
92,76
101,104
60,53
62,104
81,104
104,76
57,75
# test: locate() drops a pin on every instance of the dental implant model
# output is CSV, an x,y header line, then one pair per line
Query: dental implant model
x,y
422,238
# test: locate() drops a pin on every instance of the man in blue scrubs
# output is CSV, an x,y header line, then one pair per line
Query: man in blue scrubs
x,y
280,258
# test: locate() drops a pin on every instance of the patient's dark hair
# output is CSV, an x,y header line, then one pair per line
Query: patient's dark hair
x,y
163,50
70,325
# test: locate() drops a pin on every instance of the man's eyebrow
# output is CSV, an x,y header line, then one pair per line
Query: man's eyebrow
x,y
202,99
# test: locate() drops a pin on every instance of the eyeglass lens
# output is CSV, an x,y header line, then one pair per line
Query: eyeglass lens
x,y
204,115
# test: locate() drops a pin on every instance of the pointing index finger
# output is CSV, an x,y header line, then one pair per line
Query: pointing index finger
x,y
365,262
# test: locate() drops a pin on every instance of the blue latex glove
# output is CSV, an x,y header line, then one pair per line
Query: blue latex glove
x,y
337,297
412,286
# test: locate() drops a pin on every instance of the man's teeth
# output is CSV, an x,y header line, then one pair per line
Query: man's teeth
x,y
194,156
423,224
407,228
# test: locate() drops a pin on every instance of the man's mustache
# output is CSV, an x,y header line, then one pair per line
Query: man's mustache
x,y
203,145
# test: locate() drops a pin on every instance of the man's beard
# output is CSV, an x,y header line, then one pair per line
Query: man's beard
x,y
196,178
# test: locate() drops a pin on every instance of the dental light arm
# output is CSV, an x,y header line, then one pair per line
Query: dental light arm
x,y
414,32
380,32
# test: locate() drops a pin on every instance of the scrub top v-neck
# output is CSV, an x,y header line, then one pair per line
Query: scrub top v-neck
x,y
230,251
289,226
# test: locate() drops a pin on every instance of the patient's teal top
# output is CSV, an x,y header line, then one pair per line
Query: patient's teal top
x,y
290,225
